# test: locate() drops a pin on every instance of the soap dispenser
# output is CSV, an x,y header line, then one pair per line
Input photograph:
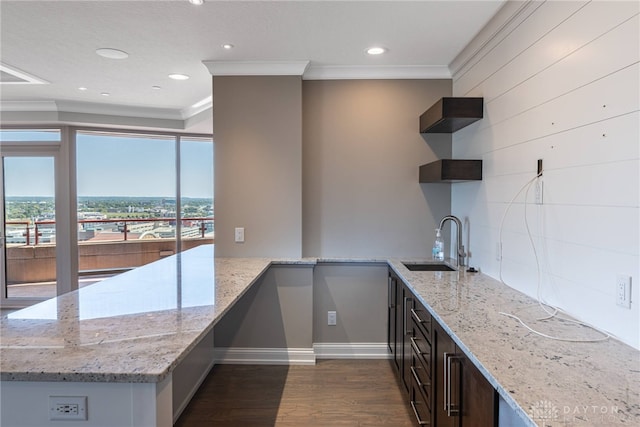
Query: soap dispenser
x,y
438,247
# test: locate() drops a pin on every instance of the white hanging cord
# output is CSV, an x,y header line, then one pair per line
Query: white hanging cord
x,y
541,303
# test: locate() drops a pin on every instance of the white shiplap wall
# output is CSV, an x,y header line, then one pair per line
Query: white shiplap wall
x,y
561,83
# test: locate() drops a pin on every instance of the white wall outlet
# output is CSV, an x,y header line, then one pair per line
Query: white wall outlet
x,y
623,291
331,318
538,190
239,235
68,408
498,251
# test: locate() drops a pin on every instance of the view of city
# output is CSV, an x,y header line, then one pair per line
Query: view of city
x,y
31,220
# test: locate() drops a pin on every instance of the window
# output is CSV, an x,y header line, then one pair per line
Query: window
x,y
128,203
141,196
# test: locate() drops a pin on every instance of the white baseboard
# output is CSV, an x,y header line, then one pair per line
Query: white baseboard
x,y
372,350
265,356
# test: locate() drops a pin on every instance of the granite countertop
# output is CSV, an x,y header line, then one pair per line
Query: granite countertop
x,y
134,327
548,382
137,326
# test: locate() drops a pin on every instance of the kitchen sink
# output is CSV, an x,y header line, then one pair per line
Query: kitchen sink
x,y
428,266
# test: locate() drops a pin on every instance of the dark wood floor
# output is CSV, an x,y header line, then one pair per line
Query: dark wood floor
x,y
331,393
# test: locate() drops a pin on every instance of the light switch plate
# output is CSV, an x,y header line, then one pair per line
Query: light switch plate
x,y
239,234
331,318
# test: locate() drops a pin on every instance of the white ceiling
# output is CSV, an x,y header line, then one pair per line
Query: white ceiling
x,y
55,41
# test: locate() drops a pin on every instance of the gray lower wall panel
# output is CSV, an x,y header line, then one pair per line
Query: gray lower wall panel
x,y
358,294
275,313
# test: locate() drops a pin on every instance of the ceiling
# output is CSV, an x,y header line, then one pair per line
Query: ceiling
x,y
53,44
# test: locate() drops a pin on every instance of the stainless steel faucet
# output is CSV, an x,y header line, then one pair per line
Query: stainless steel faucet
x,y
459,246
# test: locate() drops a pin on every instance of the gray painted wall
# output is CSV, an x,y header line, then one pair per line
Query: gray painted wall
x,y
257,124
326,168
361,153
287,308
275,313
358,294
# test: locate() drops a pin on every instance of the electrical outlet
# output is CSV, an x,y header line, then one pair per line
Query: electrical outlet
x,y
331,318
498,251
239,234
67,408
623,291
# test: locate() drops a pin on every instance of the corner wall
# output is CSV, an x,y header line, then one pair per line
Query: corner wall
x,y
257,129
560,83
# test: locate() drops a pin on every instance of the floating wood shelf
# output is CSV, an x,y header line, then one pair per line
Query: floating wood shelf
x,y
451,114
451,170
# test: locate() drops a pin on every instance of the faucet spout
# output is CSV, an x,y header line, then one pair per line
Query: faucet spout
x,y
459,246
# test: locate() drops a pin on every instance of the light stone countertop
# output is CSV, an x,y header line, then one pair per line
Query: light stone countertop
x,y
137,326
133,327
549,382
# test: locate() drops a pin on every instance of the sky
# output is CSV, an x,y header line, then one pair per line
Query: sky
x,y
119,166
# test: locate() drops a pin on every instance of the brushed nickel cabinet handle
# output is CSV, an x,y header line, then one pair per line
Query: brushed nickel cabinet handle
x,y
415,346
406,300
453,409
417,317
415,412
415,375
445,393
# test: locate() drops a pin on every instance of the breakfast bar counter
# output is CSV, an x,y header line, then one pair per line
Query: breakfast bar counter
x,y
142,341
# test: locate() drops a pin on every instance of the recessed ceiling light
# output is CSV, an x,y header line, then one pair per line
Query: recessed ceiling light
x,y
82,88
178,76
156,87
376,50
227,46
105,94
196,2
112,53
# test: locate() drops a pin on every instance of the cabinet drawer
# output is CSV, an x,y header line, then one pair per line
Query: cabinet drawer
x,y
421,347
422,319
421,377
421,409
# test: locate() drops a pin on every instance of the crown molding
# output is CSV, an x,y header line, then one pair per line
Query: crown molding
x,y
339,72
118,110
28,106
197,108
25,78
512,14
256,68
87,113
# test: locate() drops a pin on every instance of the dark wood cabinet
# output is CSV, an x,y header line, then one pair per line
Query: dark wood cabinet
x,y
463,396
392,282
443,348
421,391
399,330
445,389
480,399
407,300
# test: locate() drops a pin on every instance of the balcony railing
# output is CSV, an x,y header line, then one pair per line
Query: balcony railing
x,y
159,228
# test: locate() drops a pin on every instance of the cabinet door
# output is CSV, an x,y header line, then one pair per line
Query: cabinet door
x,y
391,314
463,396
407,305
443,349
479,404
399,323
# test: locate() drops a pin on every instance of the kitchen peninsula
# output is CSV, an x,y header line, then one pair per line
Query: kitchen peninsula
x,y
142,341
